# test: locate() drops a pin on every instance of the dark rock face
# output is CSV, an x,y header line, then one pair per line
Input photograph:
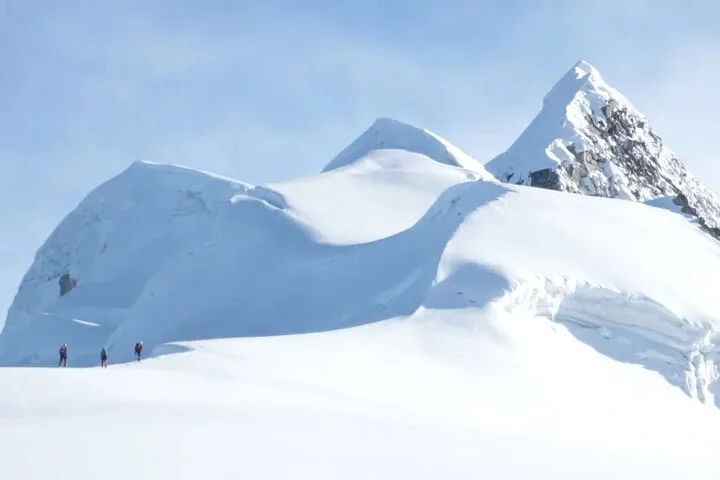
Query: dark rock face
x,y
623,157
546,178
67,283
590,140
636,149
682,201
639,151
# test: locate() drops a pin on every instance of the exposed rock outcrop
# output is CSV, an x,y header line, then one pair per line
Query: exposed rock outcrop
x,y
67,283
589,139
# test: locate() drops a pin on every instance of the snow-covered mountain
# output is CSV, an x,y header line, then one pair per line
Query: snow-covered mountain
x,y
400,314
589,139
160,233
399,222
389,134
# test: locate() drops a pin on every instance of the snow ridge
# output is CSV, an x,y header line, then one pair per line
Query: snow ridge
x,y
98,260
589,139
395,230
386,133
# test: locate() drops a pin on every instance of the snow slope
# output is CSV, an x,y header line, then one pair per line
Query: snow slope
x,y
167,254
402,399
389,134
244,266
395,316
113,243
589,139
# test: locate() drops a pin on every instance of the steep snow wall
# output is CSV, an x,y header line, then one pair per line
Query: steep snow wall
x,y
95,265
626,327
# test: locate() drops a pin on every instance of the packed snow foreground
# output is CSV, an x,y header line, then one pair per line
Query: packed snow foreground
x,y
402,314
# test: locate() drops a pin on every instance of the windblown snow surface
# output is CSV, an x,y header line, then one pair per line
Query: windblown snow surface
x,y
394,317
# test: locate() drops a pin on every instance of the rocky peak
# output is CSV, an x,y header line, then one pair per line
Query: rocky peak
x,y
589,139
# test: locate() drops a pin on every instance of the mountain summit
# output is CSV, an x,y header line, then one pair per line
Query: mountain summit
x,y
389,134
589,139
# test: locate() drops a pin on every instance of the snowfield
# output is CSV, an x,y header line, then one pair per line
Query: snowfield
x,y
401,314
415,399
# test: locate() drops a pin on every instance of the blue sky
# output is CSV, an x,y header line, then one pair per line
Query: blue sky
x,y
266,91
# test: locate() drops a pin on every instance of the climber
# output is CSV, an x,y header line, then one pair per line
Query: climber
x,y
138,350
63,355
103,358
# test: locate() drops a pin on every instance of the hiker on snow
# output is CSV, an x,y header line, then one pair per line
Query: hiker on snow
x,y
63,355
103,358
138,350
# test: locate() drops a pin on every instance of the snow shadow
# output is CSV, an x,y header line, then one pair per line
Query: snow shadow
x,y
277,278
627,346
310,286
49,331
259,271
467,286
639,331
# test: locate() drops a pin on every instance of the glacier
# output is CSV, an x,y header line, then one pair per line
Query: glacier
x,y
403,313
